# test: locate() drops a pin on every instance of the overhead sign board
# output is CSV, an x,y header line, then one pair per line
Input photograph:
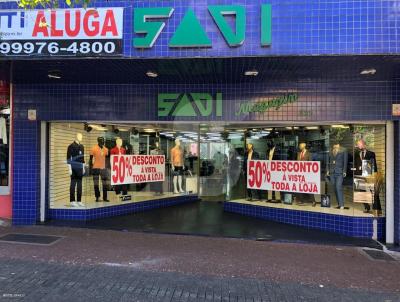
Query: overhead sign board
x,y
61,32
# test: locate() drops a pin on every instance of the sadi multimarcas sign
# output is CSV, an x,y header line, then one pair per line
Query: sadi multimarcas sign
x,y
61,32
131,169
284,175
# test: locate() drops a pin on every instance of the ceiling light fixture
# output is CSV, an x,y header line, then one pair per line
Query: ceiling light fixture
x,y
54,74
251,73
369,71
152,74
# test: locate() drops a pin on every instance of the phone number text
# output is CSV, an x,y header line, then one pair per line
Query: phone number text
x,y
60,48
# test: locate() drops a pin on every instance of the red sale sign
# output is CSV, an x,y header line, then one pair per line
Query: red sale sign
x,y
133,169
284,175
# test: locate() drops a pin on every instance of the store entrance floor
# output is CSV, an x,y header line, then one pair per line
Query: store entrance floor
x,y
209,219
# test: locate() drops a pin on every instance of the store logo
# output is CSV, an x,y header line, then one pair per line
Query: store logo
x,y
151,21
189,104
275,103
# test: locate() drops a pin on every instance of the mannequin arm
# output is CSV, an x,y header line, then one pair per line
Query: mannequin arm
x,y
69,170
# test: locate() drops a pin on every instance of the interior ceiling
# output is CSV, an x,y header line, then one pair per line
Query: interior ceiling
x,y
207,70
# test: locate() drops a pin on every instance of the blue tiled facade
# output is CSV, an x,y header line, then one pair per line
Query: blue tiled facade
x,y
346,225
129,208
299,28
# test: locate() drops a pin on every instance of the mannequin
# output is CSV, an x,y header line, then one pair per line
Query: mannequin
x,y
250,154
98,155
362,153
304,155
177,161
76,168
273,154
157,187
117,150
337,171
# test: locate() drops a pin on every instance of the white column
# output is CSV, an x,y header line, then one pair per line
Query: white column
x,y
43,156
389,183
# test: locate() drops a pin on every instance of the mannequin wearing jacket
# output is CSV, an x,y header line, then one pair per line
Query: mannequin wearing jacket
x,y
338,159
360,154
76,167
304,155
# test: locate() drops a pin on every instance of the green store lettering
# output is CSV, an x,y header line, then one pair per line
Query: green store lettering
x,y
278,102
149,22
189,104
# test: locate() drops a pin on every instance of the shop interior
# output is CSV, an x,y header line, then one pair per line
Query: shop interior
x,y
213,164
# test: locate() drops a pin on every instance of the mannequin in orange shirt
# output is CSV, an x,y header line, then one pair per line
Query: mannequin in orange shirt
x,y
177,161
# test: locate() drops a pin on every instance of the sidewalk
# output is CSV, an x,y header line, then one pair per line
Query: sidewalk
x,y
89,265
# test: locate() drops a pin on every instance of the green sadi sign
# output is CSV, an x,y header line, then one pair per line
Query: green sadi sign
x,y
148,23
275,103
189,104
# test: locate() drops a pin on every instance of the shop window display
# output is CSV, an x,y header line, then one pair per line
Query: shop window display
x,y
80,168
351,158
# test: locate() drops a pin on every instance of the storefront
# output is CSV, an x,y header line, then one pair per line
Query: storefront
x,y
292,119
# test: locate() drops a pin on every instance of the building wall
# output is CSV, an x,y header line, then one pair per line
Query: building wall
x,y
299,27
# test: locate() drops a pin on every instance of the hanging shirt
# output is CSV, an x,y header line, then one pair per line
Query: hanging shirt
x,y
3,130
177,156
117,151
99,157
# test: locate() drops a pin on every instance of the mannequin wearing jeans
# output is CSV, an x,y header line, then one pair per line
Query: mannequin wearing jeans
x,y
98,161
177,166
75,161
337,171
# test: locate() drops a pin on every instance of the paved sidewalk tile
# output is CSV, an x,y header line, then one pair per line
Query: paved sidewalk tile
x,y
26,280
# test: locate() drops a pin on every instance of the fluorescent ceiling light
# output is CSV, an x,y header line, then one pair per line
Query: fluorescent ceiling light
x,y
251,73
312,128
152,74
98,128
369,71
340,126
54,74
148,130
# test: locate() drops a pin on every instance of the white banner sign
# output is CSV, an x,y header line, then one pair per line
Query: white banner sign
x,y
133,169
284,175
67,32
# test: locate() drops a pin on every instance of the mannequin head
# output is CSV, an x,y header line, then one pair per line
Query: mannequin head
x,y
177,142
100,141
361,144
249,147
118,142
79,137
302,146
336,146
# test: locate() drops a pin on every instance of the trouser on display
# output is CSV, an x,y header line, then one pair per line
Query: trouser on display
x,y
251,192
76,181
177,180
121,188
97,174
337,183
